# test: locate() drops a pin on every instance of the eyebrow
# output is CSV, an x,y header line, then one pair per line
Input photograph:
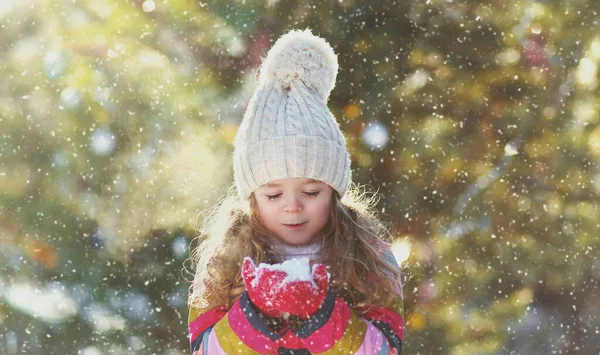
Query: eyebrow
x,y
310,181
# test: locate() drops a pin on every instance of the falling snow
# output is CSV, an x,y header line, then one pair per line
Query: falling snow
x,y
477,123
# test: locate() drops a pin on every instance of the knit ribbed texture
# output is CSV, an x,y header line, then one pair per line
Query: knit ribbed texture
x,y
287,130
288,252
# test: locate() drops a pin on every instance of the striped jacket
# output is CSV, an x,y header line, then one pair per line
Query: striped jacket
x,y
334,329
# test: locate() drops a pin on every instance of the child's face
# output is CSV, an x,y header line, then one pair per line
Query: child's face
x,y
295,209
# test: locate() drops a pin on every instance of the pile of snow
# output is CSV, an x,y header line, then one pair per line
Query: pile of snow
x,y
295,269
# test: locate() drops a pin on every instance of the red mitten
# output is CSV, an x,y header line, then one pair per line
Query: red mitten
x,y
287,288
261,287
304,297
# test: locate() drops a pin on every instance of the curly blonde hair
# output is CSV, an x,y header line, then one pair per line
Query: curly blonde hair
x,y
352,245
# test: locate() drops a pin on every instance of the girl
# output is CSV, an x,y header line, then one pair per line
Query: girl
x,y
292,176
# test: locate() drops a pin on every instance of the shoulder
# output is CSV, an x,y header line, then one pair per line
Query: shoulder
x,y
387,255
385,251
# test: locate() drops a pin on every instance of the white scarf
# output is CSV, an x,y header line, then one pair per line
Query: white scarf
x,y
310,251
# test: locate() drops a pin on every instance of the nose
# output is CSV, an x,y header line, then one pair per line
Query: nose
x,y
293,205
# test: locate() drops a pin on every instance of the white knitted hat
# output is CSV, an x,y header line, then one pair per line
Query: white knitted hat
x,y
287,129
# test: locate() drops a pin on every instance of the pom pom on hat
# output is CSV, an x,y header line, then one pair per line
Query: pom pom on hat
x,y
300,56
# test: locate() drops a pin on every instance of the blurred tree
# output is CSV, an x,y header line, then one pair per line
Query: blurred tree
x,y
477,121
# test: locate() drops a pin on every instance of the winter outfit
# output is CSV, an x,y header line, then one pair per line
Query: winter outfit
x,y
288,131
333,329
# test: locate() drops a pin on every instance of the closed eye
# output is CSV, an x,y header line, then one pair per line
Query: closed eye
x,y
310,194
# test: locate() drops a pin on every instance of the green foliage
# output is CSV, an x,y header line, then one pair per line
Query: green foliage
x,y
117,119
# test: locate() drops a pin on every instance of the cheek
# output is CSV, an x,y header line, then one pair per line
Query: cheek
x,y
321,210
267,214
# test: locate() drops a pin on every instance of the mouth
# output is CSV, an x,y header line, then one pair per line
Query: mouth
x,y
294,226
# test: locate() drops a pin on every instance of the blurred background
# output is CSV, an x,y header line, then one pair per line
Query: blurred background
x,y
477,121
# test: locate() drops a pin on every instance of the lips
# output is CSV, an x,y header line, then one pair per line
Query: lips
x,y
295,226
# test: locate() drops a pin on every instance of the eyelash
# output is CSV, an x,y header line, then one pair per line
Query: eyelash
x,y
310,194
